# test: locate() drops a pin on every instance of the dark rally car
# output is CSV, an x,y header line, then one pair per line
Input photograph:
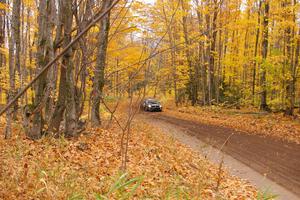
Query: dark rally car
x,y
151,105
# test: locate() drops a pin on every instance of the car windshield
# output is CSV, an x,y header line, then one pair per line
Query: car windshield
x,y
152,101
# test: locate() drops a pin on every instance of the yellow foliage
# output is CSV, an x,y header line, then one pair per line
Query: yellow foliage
x,y
4,6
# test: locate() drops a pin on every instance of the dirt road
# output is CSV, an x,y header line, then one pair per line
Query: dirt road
x,y
277,160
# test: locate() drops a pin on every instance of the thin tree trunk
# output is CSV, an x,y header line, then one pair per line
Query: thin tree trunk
x,y
292,67
255,52
212,36
16,29
201,55
219,71
13,61
2,41
192,82
297,53
265,42
81,93
98,81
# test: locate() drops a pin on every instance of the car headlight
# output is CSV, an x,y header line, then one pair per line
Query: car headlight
x,y
160,106
149,106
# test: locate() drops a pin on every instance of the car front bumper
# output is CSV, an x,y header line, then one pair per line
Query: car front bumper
x,y
154,109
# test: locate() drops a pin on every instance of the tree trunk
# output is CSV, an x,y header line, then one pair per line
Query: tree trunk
x,y
70,115
171,43
16,29
98,81
2,33
82,74
297,53
201,55
14,60
265,38
255,52
66,98
213,49
211,24
52,72
219,71
192,81
42,57
290,61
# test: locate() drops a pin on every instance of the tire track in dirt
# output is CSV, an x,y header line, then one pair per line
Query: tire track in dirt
x,y
275,159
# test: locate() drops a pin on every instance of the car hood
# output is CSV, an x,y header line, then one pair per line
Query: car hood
x,y
154,104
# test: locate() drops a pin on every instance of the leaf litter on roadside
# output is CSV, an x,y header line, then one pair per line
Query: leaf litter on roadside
x,y
85,166
251,122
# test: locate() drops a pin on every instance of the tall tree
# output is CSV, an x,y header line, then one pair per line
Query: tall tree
x,y
71,115
3,59
65,106
211,24
201,52
291,43
2,33
171,42
256,50
193,92
14,59
42,57
265,42
98,81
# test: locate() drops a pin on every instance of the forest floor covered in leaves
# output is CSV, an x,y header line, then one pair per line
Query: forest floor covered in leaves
x,y
246,120
80,168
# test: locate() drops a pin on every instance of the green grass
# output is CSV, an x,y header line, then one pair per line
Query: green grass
x,y
123,188
266,195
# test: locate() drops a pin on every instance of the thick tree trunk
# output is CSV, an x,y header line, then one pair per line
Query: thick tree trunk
x,y
66,98
57,115
52,72
98,81
265,42
71,116
42,55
